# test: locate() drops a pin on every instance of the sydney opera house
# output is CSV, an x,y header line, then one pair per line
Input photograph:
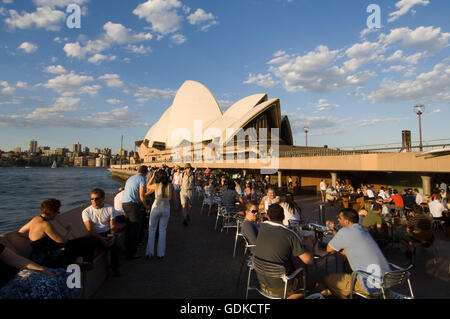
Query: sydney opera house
x,y
194,128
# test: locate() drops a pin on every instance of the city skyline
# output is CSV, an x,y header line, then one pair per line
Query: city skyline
x,y
34,146
119,72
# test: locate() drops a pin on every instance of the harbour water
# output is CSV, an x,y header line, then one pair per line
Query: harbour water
x,y
23,189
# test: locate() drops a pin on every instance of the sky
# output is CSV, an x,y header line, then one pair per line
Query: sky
x,y
352,81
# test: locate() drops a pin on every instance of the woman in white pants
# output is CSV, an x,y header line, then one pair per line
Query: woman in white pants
x,y
160,213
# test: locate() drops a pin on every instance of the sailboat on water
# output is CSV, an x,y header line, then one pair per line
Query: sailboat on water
x,y
54,164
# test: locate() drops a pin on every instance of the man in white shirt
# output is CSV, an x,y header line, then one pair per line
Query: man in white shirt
x,y
436,207
323,189
419,197
385,209
100,221
370,193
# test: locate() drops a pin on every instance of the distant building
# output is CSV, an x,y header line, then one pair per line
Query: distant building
x,y
32,146
123,152
202,127
86,150
98,161
61,151
77,147
91,162
96,150
106,152
80,161
17,150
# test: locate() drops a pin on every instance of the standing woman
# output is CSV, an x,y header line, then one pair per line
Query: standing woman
x,y
160,213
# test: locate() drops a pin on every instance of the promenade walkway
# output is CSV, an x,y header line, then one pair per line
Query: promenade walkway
x,y
199,263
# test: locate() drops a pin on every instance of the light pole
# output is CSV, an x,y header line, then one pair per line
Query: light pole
x,y
306,128
419,109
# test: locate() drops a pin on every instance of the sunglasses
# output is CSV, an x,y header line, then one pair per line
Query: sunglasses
x,y
96,198
254,211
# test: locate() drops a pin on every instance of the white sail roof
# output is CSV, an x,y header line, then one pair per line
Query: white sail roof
x,y
193,105
195,116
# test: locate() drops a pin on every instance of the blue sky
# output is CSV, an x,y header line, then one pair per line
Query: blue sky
x,y
118,73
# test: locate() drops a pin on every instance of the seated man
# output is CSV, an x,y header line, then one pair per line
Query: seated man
x,y
100,220
268,200
278,244
384,208
331,195
437,208
419,229
249,227
362,252
374,223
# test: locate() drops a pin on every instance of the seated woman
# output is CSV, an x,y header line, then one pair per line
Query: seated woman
x,y
210,190
238,188
33,281
291,210
52,249
249,192
230,197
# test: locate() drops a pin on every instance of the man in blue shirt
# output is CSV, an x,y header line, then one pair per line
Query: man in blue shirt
x,y
363,254
132,202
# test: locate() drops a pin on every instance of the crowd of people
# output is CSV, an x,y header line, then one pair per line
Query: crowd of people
x,y
269,223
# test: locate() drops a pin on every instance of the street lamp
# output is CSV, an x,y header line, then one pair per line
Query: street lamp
x,y
306,128
419,109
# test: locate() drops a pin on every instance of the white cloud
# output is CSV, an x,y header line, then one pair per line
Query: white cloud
x,y
117,33
114,34
139,49
178,38
58,3
432,86
55,69
62,104
404,6
372,122
261,80
203,19
163,15
99,58
318,125
7,89
397,56
44,17
114,118
28,47
114,101
428,38
72,84
8,1
145,94
323,105
112,80
313,72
